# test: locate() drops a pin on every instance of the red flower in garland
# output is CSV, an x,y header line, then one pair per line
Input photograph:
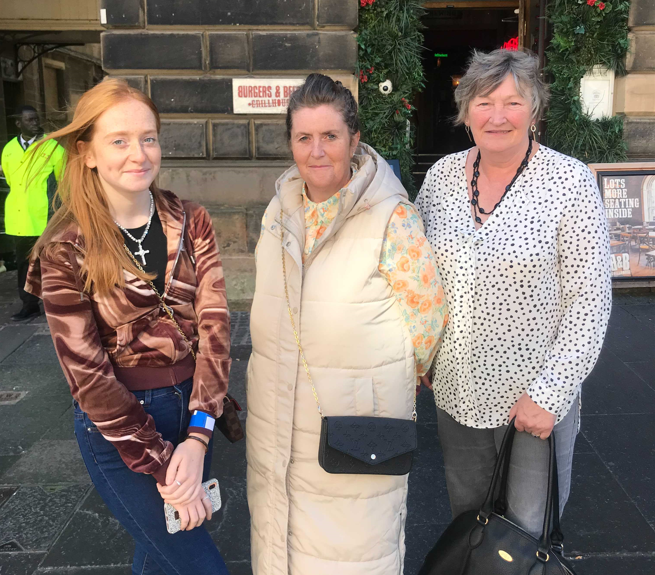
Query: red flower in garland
x,y
364,3
591,2
407,104
363,78
601,6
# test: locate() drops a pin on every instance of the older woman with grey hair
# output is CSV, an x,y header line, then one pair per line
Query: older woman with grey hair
x,y
521,240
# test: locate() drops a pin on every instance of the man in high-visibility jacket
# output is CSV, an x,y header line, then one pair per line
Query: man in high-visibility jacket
x,y
32,181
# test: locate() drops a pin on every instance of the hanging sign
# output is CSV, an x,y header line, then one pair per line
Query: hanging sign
x,y
263,95
628,192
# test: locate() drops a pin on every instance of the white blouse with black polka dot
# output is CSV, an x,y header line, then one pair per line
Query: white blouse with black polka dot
x,y
529,293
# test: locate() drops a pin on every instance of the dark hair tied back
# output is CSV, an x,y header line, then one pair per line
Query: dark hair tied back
x,y
318,90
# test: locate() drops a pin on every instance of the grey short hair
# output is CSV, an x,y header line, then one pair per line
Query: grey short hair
x,y
486,72
319,89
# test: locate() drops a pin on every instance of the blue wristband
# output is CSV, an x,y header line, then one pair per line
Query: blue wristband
x,y
203,420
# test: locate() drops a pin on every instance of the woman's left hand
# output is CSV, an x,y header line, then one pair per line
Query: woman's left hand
x,y
423,380
184,474
532,418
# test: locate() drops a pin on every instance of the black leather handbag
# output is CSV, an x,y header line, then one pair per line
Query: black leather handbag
x,y
485,543
354,444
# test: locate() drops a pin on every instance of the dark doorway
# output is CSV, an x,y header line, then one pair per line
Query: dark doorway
x,y
450,36
12,91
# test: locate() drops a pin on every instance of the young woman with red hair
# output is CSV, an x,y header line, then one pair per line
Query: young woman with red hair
x,y
133,289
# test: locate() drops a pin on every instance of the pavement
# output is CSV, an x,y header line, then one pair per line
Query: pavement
x,y
53,522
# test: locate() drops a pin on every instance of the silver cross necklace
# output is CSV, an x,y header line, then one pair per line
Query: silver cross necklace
x,y
141,252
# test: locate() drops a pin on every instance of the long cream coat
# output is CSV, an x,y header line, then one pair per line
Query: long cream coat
x,y
304,520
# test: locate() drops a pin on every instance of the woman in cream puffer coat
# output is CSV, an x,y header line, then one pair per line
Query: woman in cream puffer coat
x,y
353,248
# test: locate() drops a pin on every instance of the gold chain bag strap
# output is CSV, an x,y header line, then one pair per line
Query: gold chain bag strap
x,y
162,303
228,423
357,444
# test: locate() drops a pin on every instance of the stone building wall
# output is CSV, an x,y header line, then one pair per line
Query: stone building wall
x,y
635,92
184,54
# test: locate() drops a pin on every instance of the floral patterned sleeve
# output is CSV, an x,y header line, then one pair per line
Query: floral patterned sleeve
x,y
408,263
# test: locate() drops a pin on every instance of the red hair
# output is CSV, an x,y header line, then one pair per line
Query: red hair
x,y
80,197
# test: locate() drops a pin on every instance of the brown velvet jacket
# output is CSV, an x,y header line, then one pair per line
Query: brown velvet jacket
x,y
108,345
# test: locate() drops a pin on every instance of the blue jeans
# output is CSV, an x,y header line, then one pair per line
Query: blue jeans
x,y
133,497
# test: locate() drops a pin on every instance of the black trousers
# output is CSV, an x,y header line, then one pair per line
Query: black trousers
x,y
24,245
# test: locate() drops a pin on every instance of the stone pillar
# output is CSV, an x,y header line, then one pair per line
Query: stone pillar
x,y
634,94
184,54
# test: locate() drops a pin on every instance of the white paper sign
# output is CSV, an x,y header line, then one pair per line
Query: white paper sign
x,y
263,95
597,92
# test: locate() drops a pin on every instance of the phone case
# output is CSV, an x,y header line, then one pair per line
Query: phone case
x,y
172,517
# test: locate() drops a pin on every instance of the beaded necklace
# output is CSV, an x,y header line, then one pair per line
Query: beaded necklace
x,y
475,202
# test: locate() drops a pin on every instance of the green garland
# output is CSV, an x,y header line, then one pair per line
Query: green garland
x,y
390,45
586,33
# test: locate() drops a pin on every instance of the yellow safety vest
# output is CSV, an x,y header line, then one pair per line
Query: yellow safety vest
x,y
31,185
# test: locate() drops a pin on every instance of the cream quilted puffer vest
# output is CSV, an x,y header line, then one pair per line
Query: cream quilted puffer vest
x,y
305,521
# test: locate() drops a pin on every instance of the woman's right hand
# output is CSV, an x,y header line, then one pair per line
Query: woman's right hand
x,y
194,513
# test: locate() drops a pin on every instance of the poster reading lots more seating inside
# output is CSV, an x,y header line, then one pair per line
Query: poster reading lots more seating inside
x,y
628,192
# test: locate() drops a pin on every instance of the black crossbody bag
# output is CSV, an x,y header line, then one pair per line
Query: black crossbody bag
x,y
354,444
485,543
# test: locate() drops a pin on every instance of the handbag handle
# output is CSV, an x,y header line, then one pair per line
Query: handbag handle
x,y
501,505
293,324
552,505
